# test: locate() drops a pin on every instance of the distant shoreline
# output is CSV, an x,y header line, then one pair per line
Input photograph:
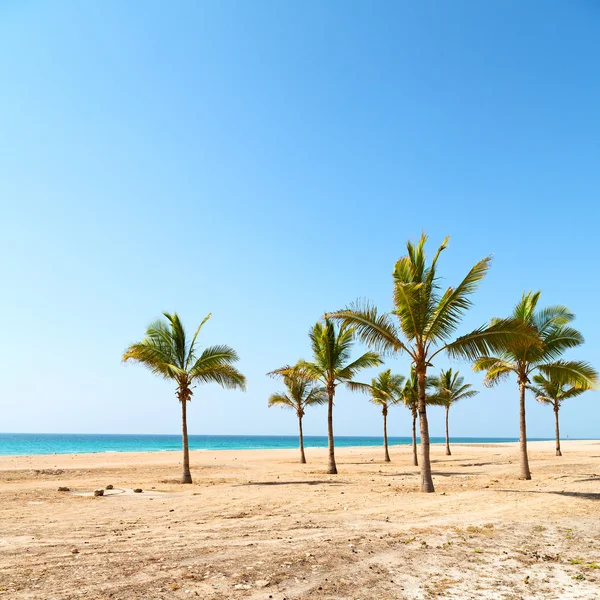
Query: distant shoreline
x,y
75,444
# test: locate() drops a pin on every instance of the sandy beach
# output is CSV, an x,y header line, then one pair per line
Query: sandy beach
x,y
257,524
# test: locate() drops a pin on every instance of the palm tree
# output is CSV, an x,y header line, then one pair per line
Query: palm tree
x,y
385,391
331,366
167,352
301,393
450,388
553,392
410,398
554,337
427,321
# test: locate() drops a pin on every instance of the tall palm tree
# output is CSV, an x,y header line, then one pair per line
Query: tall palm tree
x,y
427,319
410,397
554,391
331,366
554,337
450,387
302,392
167,352
385,391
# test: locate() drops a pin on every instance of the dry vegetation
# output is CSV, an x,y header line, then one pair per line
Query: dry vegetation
x,y
256,524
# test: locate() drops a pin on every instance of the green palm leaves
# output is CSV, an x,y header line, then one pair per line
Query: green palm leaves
x,y
555,391
301,393
167,352
553,336
385,389
450,387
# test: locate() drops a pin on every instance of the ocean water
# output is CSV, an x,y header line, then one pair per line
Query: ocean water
x,y
15,444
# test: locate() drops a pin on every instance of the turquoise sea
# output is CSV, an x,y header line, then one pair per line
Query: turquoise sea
x,y
15,444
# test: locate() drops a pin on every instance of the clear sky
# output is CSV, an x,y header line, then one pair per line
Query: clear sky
x,y
266,162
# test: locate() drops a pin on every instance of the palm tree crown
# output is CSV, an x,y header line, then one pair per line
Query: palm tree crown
x,y
542,353
331,348
385,389
167,352
554,391
450,387
301,393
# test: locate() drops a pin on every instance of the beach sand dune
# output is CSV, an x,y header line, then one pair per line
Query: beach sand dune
x,y
257,524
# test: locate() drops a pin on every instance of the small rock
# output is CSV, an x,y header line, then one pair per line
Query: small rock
x,y
109,486
443,494
63,489
98,492
74,551
242,586
137,490
261,583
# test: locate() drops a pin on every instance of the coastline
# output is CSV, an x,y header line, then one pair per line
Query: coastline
x,y
175,453
160,457
68,444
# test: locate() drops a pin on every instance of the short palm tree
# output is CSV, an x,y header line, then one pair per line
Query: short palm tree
x,y
553,392
385,391
167,352
541,355
410,398
428,318
331,366
301,393
449,389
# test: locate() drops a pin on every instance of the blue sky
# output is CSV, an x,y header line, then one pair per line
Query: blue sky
x,y
266,162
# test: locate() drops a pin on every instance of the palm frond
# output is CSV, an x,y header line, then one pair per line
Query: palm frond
x,y
372,328
559,339
225,375
573,372
551,317
497,369
282,400
366,361
455,302
497,337
191,353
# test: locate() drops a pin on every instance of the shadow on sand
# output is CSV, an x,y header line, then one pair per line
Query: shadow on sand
x,y
583,495
317,482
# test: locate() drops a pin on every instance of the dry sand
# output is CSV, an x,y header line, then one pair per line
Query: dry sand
x,y
257,524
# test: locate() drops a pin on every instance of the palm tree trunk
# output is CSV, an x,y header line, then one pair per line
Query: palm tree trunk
x,y
426,478
302,457
187,476
558,452
525,472
385,440
448,453
332,469
414,438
